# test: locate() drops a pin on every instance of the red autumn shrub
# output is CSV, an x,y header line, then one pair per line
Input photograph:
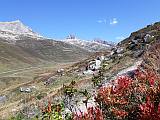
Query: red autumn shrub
x,y
91,114
133,99
136,98
123,83
119,113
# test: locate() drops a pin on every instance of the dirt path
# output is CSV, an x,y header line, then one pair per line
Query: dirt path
x,y
22,70
17,70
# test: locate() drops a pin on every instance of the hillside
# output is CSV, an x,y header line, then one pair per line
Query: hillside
x,y
13,57
126,86
30,52
21,47
51,50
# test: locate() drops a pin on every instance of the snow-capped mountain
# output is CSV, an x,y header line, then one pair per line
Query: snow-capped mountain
x,y
105,42
21,47
93,46
14,30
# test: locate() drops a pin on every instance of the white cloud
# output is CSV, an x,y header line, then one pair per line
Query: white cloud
x,y
113,21
99,21
102,21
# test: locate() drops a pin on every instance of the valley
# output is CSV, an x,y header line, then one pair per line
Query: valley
x,y
79,60
11,81
43,78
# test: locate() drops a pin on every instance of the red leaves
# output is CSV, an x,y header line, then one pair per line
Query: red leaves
x,y
123,82
98,114
92,114
104,94
141,76
77,117
148,111
152,82
119,113
142,89
49,107
148,75
124,95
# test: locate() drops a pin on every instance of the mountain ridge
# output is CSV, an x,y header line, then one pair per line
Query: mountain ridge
x,y
21,46
92,46
16,30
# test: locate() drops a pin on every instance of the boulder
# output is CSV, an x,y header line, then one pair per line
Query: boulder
x,y
146,38
50,80
88,72
60,71
3,99
102,57
138,53
134,41
132,46
120,50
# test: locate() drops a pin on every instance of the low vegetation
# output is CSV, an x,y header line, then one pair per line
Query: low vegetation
x,y
120,89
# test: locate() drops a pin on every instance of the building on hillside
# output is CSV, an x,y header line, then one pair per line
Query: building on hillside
x,y
25,89
98,63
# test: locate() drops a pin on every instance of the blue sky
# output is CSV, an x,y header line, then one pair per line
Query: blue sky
x,y
87,19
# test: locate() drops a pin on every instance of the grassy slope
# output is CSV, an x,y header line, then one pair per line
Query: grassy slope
x,y
30,52
12,57
20,64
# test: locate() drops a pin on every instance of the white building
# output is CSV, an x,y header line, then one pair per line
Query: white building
x,y
98,64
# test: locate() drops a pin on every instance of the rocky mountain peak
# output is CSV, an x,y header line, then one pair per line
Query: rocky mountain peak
x,y
93,46
14,29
